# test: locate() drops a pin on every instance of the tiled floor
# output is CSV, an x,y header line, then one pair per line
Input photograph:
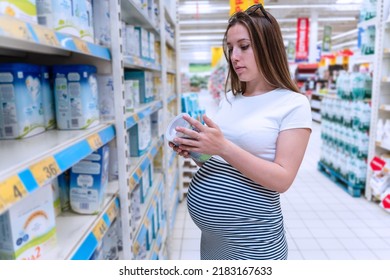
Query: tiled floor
x,y
322,220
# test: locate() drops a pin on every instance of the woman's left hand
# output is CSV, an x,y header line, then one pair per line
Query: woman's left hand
x,y
205,139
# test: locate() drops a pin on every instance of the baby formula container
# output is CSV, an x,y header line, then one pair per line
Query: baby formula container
x,y
21,113
76,96
171,134
47,99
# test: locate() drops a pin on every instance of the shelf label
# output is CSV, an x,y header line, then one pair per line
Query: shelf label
x,y
81,45
100,229
14,28
45,169
132,183
111,212
136,248
139,172
94,141
11,190
46,36
136,117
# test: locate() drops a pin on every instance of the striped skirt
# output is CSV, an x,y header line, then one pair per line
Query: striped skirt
x,y
239,219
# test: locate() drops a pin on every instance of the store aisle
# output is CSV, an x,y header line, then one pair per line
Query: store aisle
x,y
322,220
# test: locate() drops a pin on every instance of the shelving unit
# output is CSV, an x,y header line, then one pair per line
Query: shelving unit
x,y
24,161
380,96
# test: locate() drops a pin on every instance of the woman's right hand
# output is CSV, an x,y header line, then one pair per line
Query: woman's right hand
x,y
179,151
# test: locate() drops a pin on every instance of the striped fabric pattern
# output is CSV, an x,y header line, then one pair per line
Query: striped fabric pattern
x,y
239,219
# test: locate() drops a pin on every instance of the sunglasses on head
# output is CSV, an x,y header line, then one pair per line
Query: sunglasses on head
x,y
254,8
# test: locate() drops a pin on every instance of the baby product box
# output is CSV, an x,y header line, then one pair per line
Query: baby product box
x,y
76,96
47,99
83,17
130,89
102,29
145,79
58,15
21,108
63,181
28,229
140,136
106,97
25,10
88,182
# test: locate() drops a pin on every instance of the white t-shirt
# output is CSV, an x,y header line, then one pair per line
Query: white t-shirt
x,y
254,122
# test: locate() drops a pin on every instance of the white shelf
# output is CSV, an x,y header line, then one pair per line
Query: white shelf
x,y
74,229
367,23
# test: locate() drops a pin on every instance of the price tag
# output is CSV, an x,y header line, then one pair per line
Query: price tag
x,y
147,223
15,28
132,184
45,170
94,141
46,36
136,248
100,229
136,118
81,45
11,190
139,172
111,212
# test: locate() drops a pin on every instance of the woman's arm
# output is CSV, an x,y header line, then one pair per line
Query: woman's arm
x,y
277,175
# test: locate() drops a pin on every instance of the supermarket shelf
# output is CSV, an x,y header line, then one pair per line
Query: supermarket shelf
x,y
32,162
168,15
131,12
173,210
157,244
171,98
157,182
367,23
139,164
28,37
142,112
137,62
78,235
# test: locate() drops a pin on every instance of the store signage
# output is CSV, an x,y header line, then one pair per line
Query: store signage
x,y
302,44
377,164
327,39
216,55
242,5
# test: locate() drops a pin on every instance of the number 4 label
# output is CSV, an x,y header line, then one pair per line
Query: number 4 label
x,y
11,190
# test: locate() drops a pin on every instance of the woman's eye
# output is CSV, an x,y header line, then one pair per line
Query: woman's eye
x,y
245,47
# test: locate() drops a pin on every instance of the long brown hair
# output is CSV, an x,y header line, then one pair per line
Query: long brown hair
x,y
268,48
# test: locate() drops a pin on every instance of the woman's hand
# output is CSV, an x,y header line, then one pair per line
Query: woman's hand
x,y
205,139
179,151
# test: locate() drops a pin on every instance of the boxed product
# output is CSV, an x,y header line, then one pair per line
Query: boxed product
x,y
144,42
25,10
83,14
21,110
145,79
88,182
106,97
76,96
58,15
140,136
102,28
28,228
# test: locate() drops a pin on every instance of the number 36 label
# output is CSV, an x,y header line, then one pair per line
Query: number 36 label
x,y
44,170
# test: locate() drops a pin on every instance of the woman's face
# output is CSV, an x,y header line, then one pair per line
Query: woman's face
x,y
241,53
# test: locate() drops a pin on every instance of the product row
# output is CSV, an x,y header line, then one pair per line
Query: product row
x,y
35,98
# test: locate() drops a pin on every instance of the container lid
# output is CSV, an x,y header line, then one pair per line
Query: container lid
x,y
74,67
26,67
171,132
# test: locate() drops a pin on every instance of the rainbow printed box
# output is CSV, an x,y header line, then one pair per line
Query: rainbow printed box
x,y
28,229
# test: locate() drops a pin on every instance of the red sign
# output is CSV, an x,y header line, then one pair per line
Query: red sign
x,y
302,45
377,164
386,202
